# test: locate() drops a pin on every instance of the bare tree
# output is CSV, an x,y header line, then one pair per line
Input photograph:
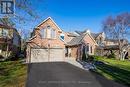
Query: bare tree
x,y
118,28
6,21
25,12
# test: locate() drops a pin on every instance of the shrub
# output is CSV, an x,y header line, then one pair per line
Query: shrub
x,y
112,55
90,58
12,57
1,57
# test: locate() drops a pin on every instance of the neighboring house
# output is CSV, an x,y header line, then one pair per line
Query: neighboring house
x,y
50,43
108,46
98,37
9,41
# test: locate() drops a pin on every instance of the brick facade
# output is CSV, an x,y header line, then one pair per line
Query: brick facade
x,y
47,42
36,41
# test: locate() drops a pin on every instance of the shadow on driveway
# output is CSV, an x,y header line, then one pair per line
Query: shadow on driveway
x,y
118,74
62,74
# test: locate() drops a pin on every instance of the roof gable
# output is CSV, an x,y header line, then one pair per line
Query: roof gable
x,y
79,39
91,38
49,18
76,41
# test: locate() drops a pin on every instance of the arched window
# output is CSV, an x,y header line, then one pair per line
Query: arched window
x,y
43,33
87,47
48,32
53,33
91,49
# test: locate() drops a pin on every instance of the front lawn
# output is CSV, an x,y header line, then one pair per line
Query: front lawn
x,y
12,74
113,69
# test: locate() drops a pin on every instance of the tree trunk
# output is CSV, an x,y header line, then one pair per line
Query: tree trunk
x,y
7,51
124,54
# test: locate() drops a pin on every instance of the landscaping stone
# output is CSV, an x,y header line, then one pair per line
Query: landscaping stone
x,y
87,66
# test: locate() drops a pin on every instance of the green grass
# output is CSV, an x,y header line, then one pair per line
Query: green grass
x,y
12,74
116,70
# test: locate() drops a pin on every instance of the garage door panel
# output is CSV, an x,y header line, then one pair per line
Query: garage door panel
x,y
39,55
47,55
56,54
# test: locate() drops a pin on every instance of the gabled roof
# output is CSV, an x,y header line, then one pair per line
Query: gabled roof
x,y
115,40
51,20
79,39
72,34
76,41
80,32
94,35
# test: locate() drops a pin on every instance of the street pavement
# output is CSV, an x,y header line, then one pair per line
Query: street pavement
x,y
63,74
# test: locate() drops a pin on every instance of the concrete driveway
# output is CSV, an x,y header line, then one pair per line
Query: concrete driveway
x,y
62,74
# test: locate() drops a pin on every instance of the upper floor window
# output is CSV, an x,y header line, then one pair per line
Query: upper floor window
x,y
48,32
87,47
62,36
43,33
3,32
48,27
0,32
53,33
100,40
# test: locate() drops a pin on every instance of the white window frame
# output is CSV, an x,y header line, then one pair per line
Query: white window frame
x,y
53,33
49,33
43,33
91,49
5,33
62,35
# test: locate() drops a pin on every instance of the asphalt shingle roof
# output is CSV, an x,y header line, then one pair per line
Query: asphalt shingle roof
x,y
72,34
76,41
94,35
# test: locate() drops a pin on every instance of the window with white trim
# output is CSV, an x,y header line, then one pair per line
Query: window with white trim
x,y
48,32
87,47
62,36
53,33
5,32
0,32
43,33
91,49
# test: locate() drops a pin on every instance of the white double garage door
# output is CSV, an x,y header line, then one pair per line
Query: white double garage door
x,y
47,55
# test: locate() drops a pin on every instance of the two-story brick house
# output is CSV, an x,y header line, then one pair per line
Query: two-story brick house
x,y
48,42
9,41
